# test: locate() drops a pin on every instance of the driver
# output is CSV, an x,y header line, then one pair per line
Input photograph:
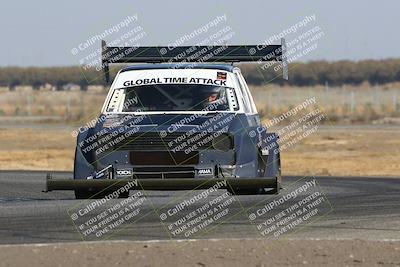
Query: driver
x,y
211,96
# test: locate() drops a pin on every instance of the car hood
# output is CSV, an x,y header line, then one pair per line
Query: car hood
x,y
216,121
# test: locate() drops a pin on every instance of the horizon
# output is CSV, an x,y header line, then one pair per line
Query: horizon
x,y
115,65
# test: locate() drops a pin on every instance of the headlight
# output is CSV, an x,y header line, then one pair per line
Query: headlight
x,y
223,142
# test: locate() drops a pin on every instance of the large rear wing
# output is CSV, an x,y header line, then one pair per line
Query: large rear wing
x,y
193,54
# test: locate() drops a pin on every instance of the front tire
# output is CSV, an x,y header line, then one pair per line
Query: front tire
x,y
245,191
257,191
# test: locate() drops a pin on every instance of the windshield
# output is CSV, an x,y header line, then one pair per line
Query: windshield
x,y
171,97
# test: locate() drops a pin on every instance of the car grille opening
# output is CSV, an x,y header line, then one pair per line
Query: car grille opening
x,y
163,158
164,172
176,141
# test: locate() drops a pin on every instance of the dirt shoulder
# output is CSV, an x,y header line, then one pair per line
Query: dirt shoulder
x,y
337,151
346,151
206,253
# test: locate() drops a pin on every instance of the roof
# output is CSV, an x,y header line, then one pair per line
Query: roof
x,y
179,66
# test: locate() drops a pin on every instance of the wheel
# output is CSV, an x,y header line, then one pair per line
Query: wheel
x,y
278,185
245,191
276,189
85,194
257,191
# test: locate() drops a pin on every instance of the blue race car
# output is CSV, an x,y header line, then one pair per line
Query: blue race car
x,y
177,126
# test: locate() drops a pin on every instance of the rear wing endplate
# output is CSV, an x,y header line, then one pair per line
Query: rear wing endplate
x,y
192,54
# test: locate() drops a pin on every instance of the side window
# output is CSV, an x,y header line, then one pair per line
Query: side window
x,y
116,101
243,91
252,106
232,99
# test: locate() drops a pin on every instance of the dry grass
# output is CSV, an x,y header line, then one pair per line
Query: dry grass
x,y
36,149
364,151
70,105
362,103
355,152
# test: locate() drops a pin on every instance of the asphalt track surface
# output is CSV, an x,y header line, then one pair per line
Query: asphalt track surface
x,y
351,208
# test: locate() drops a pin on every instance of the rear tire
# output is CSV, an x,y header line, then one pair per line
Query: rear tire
x,y
278,185
261,191
246,191
257,191
276,189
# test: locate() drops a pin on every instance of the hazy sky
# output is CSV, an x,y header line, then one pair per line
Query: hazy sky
x,y
44,32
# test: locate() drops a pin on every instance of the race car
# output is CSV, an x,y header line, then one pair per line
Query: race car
x,y
173,125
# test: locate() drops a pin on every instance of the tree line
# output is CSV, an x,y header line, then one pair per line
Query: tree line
x,y
333,73
300,74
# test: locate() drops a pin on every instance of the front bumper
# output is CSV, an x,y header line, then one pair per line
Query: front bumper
x,y
159,184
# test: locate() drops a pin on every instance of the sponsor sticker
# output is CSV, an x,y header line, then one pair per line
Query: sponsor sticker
x,y
205,172
221,75
176,80
124,172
